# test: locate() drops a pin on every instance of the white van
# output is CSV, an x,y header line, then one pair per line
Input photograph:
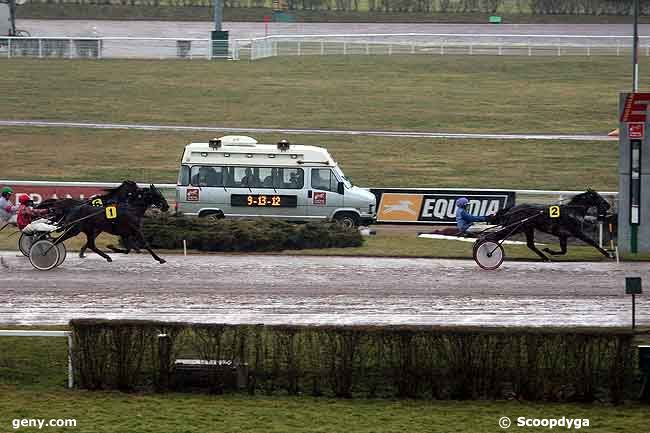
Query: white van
x,y
234,176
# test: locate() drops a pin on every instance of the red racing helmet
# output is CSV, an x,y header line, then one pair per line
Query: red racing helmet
x,y
24,199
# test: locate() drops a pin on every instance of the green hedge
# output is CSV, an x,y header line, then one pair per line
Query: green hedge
x,y
169,231
371,361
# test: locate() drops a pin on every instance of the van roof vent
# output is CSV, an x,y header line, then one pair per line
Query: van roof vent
x,y
237,140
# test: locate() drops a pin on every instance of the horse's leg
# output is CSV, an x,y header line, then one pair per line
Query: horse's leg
x,y
118,250
530,242
563,239
124,242
143,241
91,244
82,251
584,238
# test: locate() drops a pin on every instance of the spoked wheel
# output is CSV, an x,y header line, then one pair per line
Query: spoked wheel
x,y
489,255
44,255
62,253
25,243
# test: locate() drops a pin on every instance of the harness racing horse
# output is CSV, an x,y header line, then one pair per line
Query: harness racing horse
x,y
562,221
122,219
59,208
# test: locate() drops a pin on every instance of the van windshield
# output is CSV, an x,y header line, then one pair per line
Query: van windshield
x,y
340,175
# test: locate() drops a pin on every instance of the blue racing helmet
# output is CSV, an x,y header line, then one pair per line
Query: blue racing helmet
x,y
462,202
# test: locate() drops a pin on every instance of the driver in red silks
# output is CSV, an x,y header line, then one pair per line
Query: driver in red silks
x,y
26,213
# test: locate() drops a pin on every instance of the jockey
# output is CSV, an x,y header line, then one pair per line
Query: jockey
x,y
7,209
25,215
464,219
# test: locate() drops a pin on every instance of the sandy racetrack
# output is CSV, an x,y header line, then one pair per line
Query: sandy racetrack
x,y
320,290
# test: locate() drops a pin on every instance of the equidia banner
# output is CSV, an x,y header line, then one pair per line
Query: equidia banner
x,y
436,206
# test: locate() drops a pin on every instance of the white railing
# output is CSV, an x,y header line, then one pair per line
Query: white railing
x,y
325,44
115,48
444,44
34,333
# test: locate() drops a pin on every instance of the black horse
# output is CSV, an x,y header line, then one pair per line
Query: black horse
x,y
123,219
58,208
562,221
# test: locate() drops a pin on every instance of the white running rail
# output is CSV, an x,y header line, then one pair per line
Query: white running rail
x,y
35,333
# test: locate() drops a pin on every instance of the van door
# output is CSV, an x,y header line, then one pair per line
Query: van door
x,y
205,190
323,196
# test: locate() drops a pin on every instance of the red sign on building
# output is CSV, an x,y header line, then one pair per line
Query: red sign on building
x,y
635,107
635,130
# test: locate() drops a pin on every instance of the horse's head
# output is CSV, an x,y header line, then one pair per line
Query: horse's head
x,y
591,198
153,197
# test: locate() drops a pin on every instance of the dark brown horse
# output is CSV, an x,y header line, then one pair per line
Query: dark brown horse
x,y
562,221
123,219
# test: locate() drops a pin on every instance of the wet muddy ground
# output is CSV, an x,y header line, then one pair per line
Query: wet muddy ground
x,y
276,289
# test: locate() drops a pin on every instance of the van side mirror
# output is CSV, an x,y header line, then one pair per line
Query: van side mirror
x,y
340,189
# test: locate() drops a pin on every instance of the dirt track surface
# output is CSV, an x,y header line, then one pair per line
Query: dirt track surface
x,y
319,290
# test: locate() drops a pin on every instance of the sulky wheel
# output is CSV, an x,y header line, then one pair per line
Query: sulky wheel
x,y
25,243
62,253
44,255
489,255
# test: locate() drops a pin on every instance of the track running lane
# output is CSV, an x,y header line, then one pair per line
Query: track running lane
x,y
281,289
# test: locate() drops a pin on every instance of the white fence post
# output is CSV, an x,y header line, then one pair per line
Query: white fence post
x,y
9,49
70,366
40,48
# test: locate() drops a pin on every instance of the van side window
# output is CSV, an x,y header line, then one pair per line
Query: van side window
x,y
184,176
243,177
293,178
207,176
323,179
271,177
264,177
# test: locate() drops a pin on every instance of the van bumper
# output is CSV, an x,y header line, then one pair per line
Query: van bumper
x,y
367,219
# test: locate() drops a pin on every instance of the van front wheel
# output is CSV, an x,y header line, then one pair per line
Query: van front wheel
x,y
347,219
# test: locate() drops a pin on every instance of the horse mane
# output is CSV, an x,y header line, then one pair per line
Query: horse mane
x,y
118,188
